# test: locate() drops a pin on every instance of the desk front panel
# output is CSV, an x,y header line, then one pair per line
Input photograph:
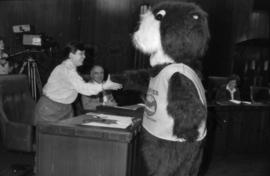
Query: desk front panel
x,y
70,156
70,150
241,129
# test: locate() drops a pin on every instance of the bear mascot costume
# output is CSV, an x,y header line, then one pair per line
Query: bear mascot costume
x,y
175,35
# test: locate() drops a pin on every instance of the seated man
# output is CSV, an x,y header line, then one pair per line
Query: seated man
x,y
5,68
103,98
229,91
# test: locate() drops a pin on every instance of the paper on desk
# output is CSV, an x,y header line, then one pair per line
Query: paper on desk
x,y
239,102
121,121
235,101
247,102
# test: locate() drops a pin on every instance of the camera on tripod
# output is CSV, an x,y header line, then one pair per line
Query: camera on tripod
x,y
34,44
34,40
38,41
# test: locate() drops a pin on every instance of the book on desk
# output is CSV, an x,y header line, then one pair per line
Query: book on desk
x,y
105,120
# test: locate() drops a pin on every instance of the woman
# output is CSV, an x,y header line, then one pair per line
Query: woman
x,y
63,86
229,91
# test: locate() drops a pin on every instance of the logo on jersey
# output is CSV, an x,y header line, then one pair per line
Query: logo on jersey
x,y
151,105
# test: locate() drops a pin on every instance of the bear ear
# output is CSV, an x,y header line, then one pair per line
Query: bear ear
x,y
160,15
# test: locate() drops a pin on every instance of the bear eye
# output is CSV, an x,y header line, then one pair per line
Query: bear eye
x,y
195,16
160,14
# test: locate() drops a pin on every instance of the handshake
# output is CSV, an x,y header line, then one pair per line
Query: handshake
x,y
109,85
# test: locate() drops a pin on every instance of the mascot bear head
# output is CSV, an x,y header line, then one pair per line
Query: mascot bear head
x,y
173,32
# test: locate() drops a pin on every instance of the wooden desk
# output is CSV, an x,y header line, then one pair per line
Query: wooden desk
x,y
68,149
121,111
240,128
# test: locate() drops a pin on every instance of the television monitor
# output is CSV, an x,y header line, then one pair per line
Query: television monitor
x,y
32,40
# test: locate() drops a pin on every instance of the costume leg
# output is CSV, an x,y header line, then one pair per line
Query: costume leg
x,y
197,163
148,152
191,159
158,155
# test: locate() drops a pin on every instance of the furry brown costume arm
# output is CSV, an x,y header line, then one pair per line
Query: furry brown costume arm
x,y
133,79
184,103
137,79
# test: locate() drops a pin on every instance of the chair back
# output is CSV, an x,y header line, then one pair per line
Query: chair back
x,y
18,103
260,94
17,108
213,84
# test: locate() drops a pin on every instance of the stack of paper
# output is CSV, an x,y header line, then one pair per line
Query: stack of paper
x,y
107,120
235,101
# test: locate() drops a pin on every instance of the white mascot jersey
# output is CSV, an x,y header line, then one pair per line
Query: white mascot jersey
x,y
156,119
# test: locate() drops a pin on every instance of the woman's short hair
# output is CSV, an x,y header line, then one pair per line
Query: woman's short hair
x,y
72,47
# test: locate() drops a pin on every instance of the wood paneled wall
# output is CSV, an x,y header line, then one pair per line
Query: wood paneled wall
x,y
57,18
105,24
108,25
227,19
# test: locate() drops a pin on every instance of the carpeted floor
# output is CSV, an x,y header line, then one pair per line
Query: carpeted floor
x,y
240,165
15,163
